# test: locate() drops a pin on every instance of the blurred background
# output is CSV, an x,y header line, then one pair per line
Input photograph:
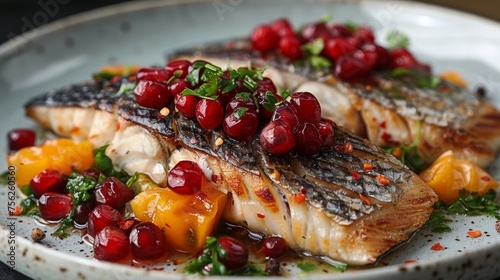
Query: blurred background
x,y
17,16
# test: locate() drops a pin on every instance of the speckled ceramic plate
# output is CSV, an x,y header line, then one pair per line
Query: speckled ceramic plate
x,y
140,32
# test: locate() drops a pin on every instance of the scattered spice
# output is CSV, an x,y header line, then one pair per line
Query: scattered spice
x,y
165,111
300,197
261,215
355,175
397,152
474,233
409,261
219,141
437,247
348,147
37,234
276,175
367,166
365,199
383,180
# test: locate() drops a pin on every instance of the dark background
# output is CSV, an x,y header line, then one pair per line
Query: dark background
x,y
12,13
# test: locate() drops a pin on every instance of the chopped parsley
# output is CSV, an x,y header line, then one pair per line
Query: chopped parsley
x,y
29,206
307,267
419,79
469,204
313,51
126,88
397,39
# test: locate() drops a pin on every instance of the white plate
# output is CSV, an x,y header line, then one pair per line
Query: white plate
x,y
140,32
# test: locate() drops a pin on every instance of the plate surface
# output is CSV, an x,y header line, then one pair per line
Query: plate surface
x,y
141,32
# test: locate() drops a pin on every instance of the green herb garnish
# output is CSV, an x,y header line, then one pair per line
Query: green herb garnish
x,y
339,267
126,88
271,101
210,257
397,39
419,79
66,224
239,112
313,51
438,222
352,26
285,94
409,154
29,206
26,189
307,267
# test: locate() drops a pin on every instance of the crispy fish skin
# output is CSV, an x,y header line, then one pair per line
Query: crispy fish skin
x,y
342,218
449,117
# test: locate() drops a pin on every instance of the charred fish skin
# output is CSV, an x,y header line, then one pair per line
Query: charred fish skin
x,y
353,220
447,117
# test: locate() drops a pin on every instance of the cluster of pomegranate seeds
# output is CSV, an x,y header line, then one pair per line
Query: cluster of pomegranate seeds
x,y
297,125
20,138
351,50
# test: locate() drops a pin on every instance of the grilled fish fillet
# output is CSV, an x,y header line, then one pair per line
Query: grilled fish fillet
x,y
347,219
393,114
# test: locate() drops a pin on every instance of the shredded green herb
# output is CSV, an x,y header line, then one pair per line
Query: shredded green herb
x,y
26,189
313,51
210,258
126,88
271,101
469,204
409,154
29,206
307,267
339,267
239,112
397,39
352,26
102,76
419,79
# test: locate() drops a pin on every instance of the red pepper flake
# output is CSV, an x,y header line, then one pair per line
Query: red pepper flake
x,y
178,261
437,247
348,147
368,88
383,124
355,175
127,224
410,261
17,211
474,233
116,79
365,199
261,215
117,127
486,178
388,139
300,197
367,166
383,180
397,153
303,190
340,148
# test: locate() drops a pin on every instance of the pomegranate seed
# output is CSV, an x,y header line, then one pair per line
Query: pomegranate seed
x,y
240,103
308,108
111,244
209,113
54,206
100,217
314,30
264,114
337,47
186,104
153,74
177,87
340,31
48,181
274,247
349,67
368,55
114,193
180,68
364,34
282,27
82,212
290,47
91,172
151,94
185,178
227,97
402,58
237,253
265,85
326,132
264,38
383,57
20,138
147,242
308,139
241,128
287,113
277,137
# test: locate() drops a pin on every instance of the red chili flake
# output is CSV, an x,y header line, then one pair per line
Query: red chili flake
x,y
437,247
17,211
178,261
367,166
159,118
388,139
300,197
260,215
125,225
486,178
355,175
383,180
368,88
383,124
397,152
474,233
410,261
340,148
348,147
365,199
117,127
115,79
303,190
